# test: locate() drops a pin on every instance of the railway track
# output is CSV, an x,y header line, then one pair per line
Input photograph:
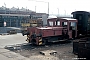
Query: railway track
x,y
28,46
29,50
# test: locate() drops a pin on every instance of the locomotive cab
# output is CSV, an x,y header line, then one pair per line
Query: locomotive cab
x,y
69,23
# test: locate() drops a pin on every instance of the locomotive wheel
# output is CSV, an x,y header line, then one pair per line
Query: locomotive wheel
x,y
66,37
33,41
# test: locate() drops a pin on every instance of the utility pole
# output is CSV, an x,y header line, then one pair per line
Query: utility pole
x,y
26,8
65,12
48,8
58,11
43,2
35,8
5,8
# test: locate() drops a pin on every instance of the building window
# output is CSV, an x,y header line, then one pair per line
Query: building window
x,y
3,17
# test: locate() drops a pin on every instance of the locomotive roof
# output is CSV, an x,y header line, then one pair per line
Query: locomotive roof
x,y
64,18
68,18
50,17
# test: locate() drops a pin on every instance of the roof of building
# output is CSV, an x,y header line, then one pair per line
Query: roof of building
x,y
13,15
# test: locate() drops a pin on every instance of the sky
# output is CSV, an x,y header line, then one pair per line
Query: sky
x,y
59,7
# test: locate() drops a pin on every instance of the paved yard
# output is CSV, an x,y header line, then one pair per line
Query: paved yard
x,y
12,39
20,46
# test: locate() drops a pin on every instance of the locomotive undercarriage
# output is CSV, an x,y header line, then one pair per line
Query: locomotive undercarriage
x,y
56,38
44,40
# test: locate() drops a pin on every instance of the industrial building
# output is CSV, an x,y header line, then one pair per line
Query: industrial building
x,y
14,17
13,20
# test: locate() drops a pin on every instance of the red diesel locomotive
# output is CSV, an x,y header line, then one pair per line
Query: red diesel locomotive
x,y
57,29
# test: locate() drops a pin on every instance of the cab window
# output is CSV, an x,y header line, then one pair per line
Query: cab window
x,y
64,24
72,25
57,23
50,23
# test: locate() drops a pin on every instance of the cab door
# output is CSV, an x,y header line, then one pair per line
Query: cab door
x,y
73,29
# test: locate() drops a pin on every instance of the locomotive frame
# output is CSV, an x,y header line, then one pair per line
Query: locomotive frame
x,y
58,29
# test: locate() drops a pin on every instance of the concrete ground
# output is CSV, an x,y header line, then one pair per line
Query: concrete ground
x,y
5,29
14,47
9,55
11,40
